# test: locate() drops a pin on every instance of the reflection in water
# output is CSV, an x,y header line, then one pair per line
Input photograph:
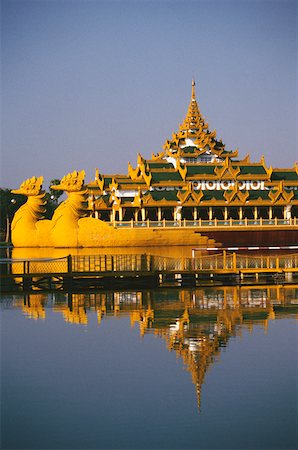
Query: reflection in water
x,y
195,324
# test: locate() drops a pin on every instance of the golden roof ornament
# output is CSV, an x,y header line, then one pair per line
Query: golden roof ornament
x,y
193,92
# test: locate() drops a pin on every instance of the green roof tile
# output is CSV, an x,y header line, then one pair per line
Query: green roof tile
x,y
286,175
218,195
160,165
165,176
200,169
254,195
189,149
166,195
253,170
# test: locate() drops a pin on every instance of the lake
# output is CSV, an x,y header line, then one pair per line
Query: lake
x,y
203,368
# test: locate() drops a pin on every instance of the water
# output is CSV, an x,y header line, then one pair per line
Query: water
x,y
166,369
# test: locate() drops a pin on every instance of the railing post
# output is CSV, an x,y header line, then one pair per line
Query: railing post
x,y
69,264
234,261
224,262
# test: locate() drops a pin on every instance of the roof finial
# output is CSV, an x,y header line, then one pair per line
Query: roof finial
x,y
193,93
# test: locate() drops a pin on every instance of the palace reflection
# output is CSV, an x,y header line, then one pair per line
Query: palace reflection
x,y
195,323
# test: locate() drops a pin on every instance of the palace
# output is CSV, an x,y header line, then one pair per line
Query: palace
x,y
193,192
196,181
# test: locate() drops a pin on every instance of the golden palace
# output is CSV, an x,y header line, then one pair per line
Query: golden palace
x,y
192,192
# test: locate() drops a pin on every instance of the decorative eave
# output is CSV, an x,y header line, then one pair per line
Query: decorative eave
x,y
115,201
140,159
100,204
146,173
269,172
227,171
133,173
190,196
280,195
138,200
148,200
158,156
182,169
113,186
99,180
235,195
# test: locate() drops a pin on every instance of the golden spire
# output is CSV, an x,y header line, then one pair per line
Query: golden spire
x,y
193,92
194,122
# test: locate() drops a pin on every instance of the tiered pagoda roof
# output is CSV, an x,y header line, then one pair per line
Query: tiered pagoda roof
x,y
189,170
194,139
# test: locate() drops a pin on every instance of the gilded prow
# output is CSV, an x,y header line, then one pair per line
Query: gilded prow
x,y
24,227
64,230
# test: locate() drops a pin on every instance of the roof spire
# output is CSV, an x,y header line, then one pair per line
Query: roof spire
x,y
193,92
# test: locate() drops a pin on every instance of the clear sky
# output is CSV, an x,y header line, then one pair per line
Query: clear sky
x,y
90,83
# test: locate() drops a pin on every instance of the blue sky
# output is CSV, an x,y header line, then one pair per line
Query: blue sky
x,y
91,83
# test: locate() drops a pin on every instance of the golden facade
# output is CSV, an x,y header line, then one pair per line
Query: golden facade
x,y
193,178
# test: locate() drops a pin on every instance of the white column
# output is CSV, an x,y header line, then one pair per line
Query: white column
x,y
195,214
159,214
120,214
143,214
210,213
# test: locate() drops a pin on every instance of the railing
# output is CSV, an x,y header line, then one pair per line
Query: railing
x,y
143,263
229,223
28,266
110,263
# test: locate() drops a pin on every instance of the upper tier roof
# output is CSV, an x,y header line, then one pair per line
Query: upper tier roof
x,y
193,154
194,135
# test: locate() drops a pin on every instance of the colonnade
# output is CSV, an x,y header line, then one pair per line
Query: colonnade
x,y
195,213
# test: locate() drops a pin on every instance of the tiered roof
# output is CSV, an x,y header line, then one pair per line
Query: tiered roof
x,y
194,138
194,156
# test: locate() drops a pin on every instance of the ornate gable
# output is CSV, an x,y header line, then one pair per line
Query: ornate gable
x,y
190,196
133,173
235,195
280,195
226,171
182,169
113,186
100,180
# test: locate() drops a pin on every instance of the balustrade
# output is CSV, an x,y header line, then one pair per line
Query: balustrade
x,y
212,223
